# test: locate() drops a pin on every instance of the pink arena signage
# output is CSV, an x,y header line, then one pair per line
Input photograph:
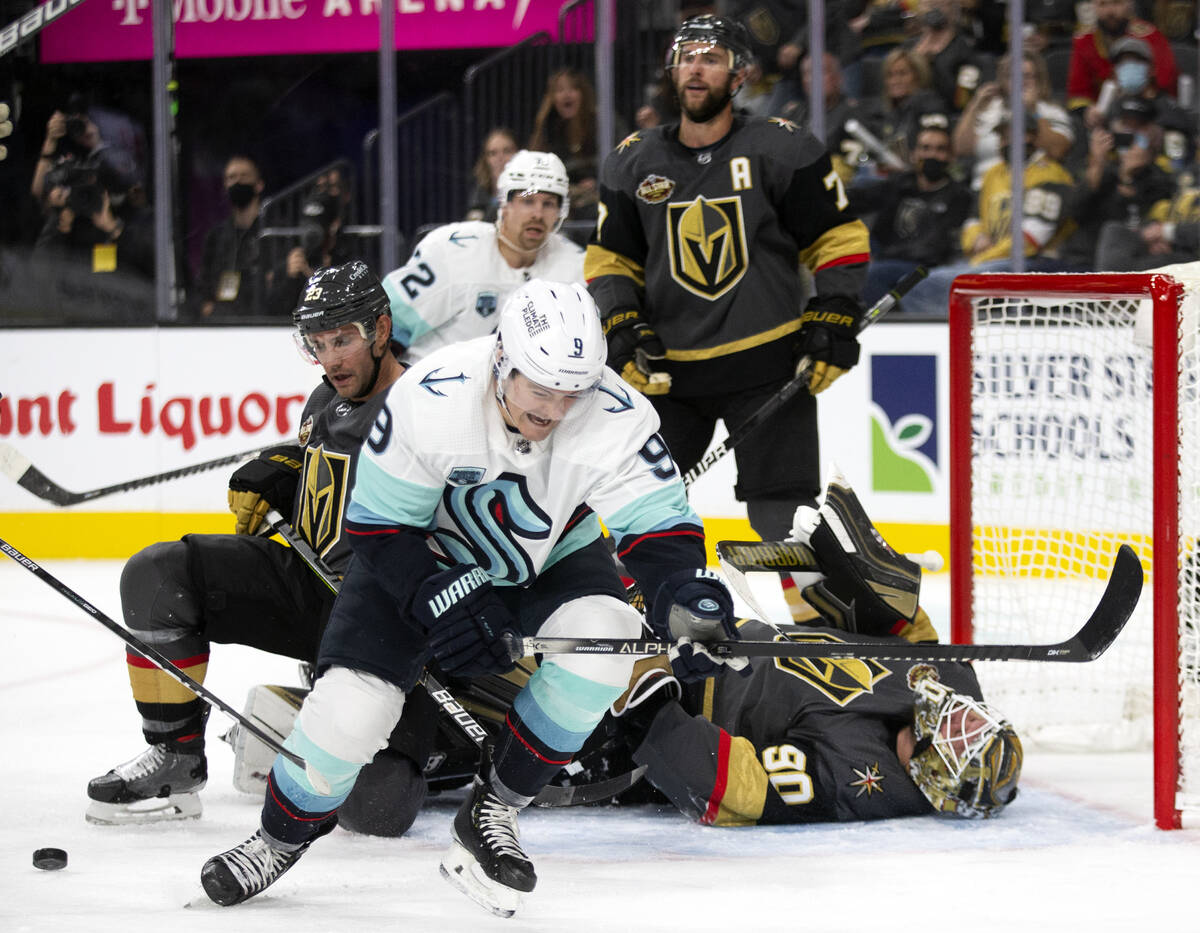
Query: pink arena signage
x,y
118,30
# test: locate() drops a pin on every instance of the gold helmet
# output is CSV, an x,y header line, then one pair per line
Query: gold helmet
x,y
967,760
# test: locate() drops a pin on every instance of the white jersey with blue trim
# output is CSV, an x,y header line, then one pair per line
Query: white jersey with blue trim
x,y
456,281
442,458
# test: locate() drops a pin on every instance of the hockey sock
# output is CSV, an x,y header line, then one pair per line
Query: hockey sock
x,y
549,721
797,605
168,709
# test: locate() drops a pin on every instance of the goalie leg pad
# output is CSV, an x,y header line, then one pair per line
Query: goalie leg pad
x,y
273,709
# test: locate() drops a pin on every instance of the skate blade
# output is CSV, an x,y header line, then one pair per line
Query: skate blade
x,y
463,872
154,810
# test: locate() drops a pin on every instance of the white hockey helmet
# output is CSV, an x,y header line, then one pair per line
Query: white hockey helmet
x,y
550,332
530,171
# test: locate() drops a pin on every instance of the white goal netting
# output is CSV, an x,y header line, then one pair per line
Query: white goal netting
x,y
1063,467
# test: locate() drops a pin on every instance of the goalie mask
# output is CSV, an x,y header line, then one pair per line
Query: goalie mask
x,y
709,32
550,332
529,172
336,296
967,761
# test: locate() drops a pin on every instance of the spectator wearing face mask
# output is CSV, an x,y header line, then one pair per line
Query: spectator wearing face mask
x,y
323,242
1097,52
1122,180
231,278
918,214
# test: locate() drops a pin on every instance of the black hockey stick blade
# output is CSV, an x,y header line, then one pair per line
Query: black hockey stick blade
x,y
165,664
21,471
582,794
1092,640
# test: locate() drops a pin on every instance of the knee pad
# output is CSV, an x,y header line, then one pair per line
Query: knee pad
x,y
350,714
595,617
157,596
386,797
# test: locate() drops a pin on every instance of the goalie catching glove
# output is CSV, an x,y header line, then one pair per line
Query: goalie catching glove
x,y
632,346
267,482
866,588
466,622
828,340
693,607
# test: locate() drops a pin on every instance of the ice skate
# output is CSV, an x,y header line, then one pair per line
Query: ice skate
x,y
162,783
486,861
239,873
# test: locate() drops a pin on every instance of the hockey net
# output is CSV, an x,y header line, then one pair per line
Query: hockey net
x,y
1075,427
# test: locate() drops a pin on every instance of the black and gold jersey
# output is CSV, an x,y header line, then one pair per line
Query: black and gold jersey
x,y
708,243
332,430
796,741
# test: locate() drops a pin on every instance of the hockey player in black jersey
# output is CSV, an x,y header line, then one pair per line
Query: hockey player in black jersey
x,y
247,589
695,265
800,740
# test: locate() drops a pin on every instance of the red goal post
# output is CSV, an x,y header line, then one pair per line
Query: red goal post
x,y
1073,428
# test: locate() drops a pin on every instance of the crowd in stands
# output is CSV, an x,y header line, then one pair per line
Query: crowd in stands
x,y
917,113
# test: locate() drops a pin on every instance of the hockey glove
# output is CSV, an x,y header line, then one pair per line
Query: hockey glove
x,y
632,346
692,607
867,588
828,340
268,482
466,622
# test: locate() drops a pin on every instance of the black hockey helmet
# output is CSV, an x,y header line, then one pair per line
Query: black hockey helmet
x,y
339,295
728,33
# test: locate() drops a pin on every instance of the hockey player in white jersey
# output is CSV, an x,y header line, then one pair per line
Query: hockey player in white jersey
x,y
460,274
475,513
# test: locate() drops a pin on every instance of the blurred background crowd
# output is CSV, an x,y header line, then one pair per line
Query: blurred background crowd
x,y
276,157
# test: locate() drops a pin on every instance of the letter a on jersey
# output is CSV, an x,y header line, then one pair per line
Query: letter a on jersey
x,y
707,241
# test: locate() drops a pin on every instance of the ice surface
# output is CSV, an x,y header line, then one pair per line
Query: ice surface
x,y
1077,851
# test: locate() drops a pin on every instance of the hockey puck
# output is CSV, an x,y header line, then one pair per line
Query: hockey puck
x,y
50,859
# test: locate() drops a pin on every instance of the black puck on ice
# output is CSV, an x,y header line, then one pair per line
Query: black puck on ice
x,y
50,859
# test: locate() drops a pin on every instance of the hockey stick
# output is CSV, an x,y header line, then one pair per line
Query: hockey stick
x,y
18,468
1092,640
32,23
792,556
549,796
165,664
789,389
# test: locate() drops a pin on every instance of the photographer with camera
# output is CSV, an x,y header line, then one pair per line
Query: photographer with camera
x,y
72,135
83,227
323,216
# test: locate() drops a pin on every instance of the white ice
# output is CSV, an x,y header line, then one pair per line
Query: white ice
x,y
1077,851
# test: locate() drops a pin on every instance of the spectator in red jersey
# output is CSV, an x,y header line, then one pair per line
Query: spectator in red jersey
x,y
1092,61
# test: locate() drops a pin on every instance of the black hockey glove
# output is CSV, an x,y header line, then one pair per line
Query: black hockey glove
x,y
632,345
466,622
828,340
692,607
268,482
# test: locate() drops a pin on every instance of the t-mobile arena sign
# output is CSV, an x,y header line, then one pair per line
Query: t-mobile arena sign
x,y
120,30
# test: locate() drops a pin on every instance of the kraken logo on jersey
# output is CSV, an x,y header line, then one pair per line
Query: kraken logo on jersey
x,y
323,497
840,679
707,242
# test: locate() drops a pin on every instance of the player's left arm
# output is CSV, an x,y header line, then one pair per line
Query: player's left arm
x,y
835,246
721,779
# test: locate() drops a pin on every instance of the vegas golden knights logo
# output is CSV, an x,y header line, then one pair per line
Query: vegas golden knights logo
x,y
840,679
323,497
707,242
